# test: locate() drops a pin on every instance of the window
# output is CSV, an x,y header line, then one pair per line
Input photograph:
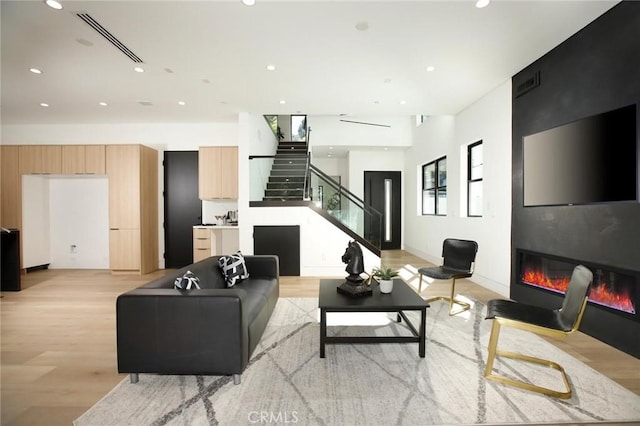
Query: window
x,y
434,187
298,128
474,179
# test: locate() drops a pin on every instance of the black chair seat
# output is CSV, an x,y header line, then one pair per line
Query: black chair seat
x,y
529,314
444,272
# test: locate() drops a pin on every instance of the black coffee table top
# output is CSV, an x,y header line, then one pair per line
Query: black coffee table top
x,y
401,297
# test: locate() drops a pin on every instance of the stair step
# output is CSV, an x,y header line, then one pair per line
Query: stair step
x,y
293,160
285,153
287,172
285,185
294,145
267,198
288,167
280,193
284,179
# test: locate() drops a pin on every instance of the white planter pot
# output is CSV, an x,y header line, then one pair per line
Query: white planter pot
x,y
386,286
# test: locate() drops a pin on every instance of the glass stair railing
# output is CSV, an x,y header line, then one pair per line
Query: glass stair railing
x,y
311,187
351,212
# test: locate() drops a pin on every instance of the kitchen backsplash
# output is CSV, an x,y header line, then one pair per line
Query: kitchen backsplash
x,y
211,209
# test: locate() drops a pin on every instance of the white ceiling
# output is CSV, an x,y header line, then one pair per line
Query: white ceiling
x,y
325,66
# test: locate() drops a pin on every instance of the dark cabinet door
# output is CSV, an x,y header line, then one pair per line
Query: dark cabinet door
x,y
283,241
10,264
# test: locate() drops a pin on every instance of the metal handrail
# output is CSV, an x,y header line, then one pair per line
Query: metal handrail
x,y
350,195
307,176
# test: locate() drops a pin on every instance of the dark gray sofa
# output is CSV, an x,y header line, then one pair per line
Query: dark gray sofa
x,y
208,331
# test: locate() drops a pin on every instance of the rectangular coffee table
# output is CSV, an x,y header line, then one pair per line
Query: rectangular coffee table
x,y
401,299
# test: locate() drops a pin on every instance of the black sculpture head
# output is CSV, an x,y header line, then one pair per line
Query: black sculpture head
x,y
355,263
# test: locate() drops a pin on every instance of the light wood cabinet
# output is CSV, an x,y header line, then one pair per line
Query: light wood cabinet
x,y
201,244
133,207
214,241
40,159
83,159
30,159
94,159
10,187
124,249
218,172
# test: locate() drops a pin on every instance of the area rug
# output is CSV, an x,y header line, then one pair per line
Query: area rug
x,y
370,384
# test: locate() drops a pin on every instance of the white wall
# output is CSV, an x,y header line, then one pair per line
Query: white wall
x,y
321,244
35,221
329,130
79,215
489,120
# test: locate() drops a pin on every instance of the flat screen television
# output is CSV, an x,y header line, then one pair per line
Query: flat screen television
x,y
592,160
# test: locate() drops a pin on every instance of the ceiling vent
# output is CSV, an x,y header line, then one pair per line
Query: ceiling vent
x,y
109,37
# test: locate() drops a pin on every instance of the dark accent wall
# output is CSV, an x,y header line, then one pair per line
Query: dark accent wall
x,y
596,70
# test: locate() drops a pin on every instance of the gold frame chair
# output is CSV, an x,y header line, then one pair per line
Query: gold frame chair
x,y
557,323
458,262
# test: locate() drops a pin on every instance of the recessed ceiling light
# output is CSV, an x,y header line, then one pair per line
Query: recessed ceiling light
x,y
328,155
248,2
282,102
35,70
330,147
102,103
482,3
431,68
53,4
44,104
271,67
182,103
403,102
138,69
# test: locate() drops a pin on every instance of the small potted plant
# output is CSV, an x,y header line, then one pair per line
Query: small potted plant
x,y
385,276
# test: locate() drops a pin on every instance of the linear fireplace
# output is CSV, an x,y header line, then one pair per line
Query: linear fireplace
x,y
613,311
612,288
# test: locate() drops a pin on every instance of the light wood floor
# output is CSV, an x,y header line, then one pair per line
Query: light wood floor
x,y
58,350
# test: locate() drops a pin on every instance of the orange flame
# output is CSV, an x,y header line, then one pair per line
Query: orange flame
x,y
600,294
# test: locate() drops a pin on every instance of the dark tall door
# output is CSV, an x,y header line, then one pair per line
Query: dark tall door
x,y
382,192
182,207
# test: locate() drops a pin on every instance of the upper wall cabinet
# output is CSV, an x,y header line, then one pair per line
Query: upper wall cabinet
x,y
218,172
40,159
83,159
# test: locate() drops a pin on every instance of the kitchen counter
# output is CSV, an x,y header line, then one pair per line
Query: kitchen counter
x,y
214,227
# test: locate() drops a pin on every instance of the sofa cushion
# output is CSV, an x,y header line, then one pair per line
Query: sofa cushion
x,y
233,268
188,281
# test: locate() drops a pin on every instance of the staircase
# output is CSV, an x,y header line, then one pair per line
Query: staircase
x,y
286,181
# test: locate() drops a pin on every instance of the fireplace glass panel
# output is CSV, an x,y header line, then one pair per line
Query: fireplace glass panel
x,y
610,288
